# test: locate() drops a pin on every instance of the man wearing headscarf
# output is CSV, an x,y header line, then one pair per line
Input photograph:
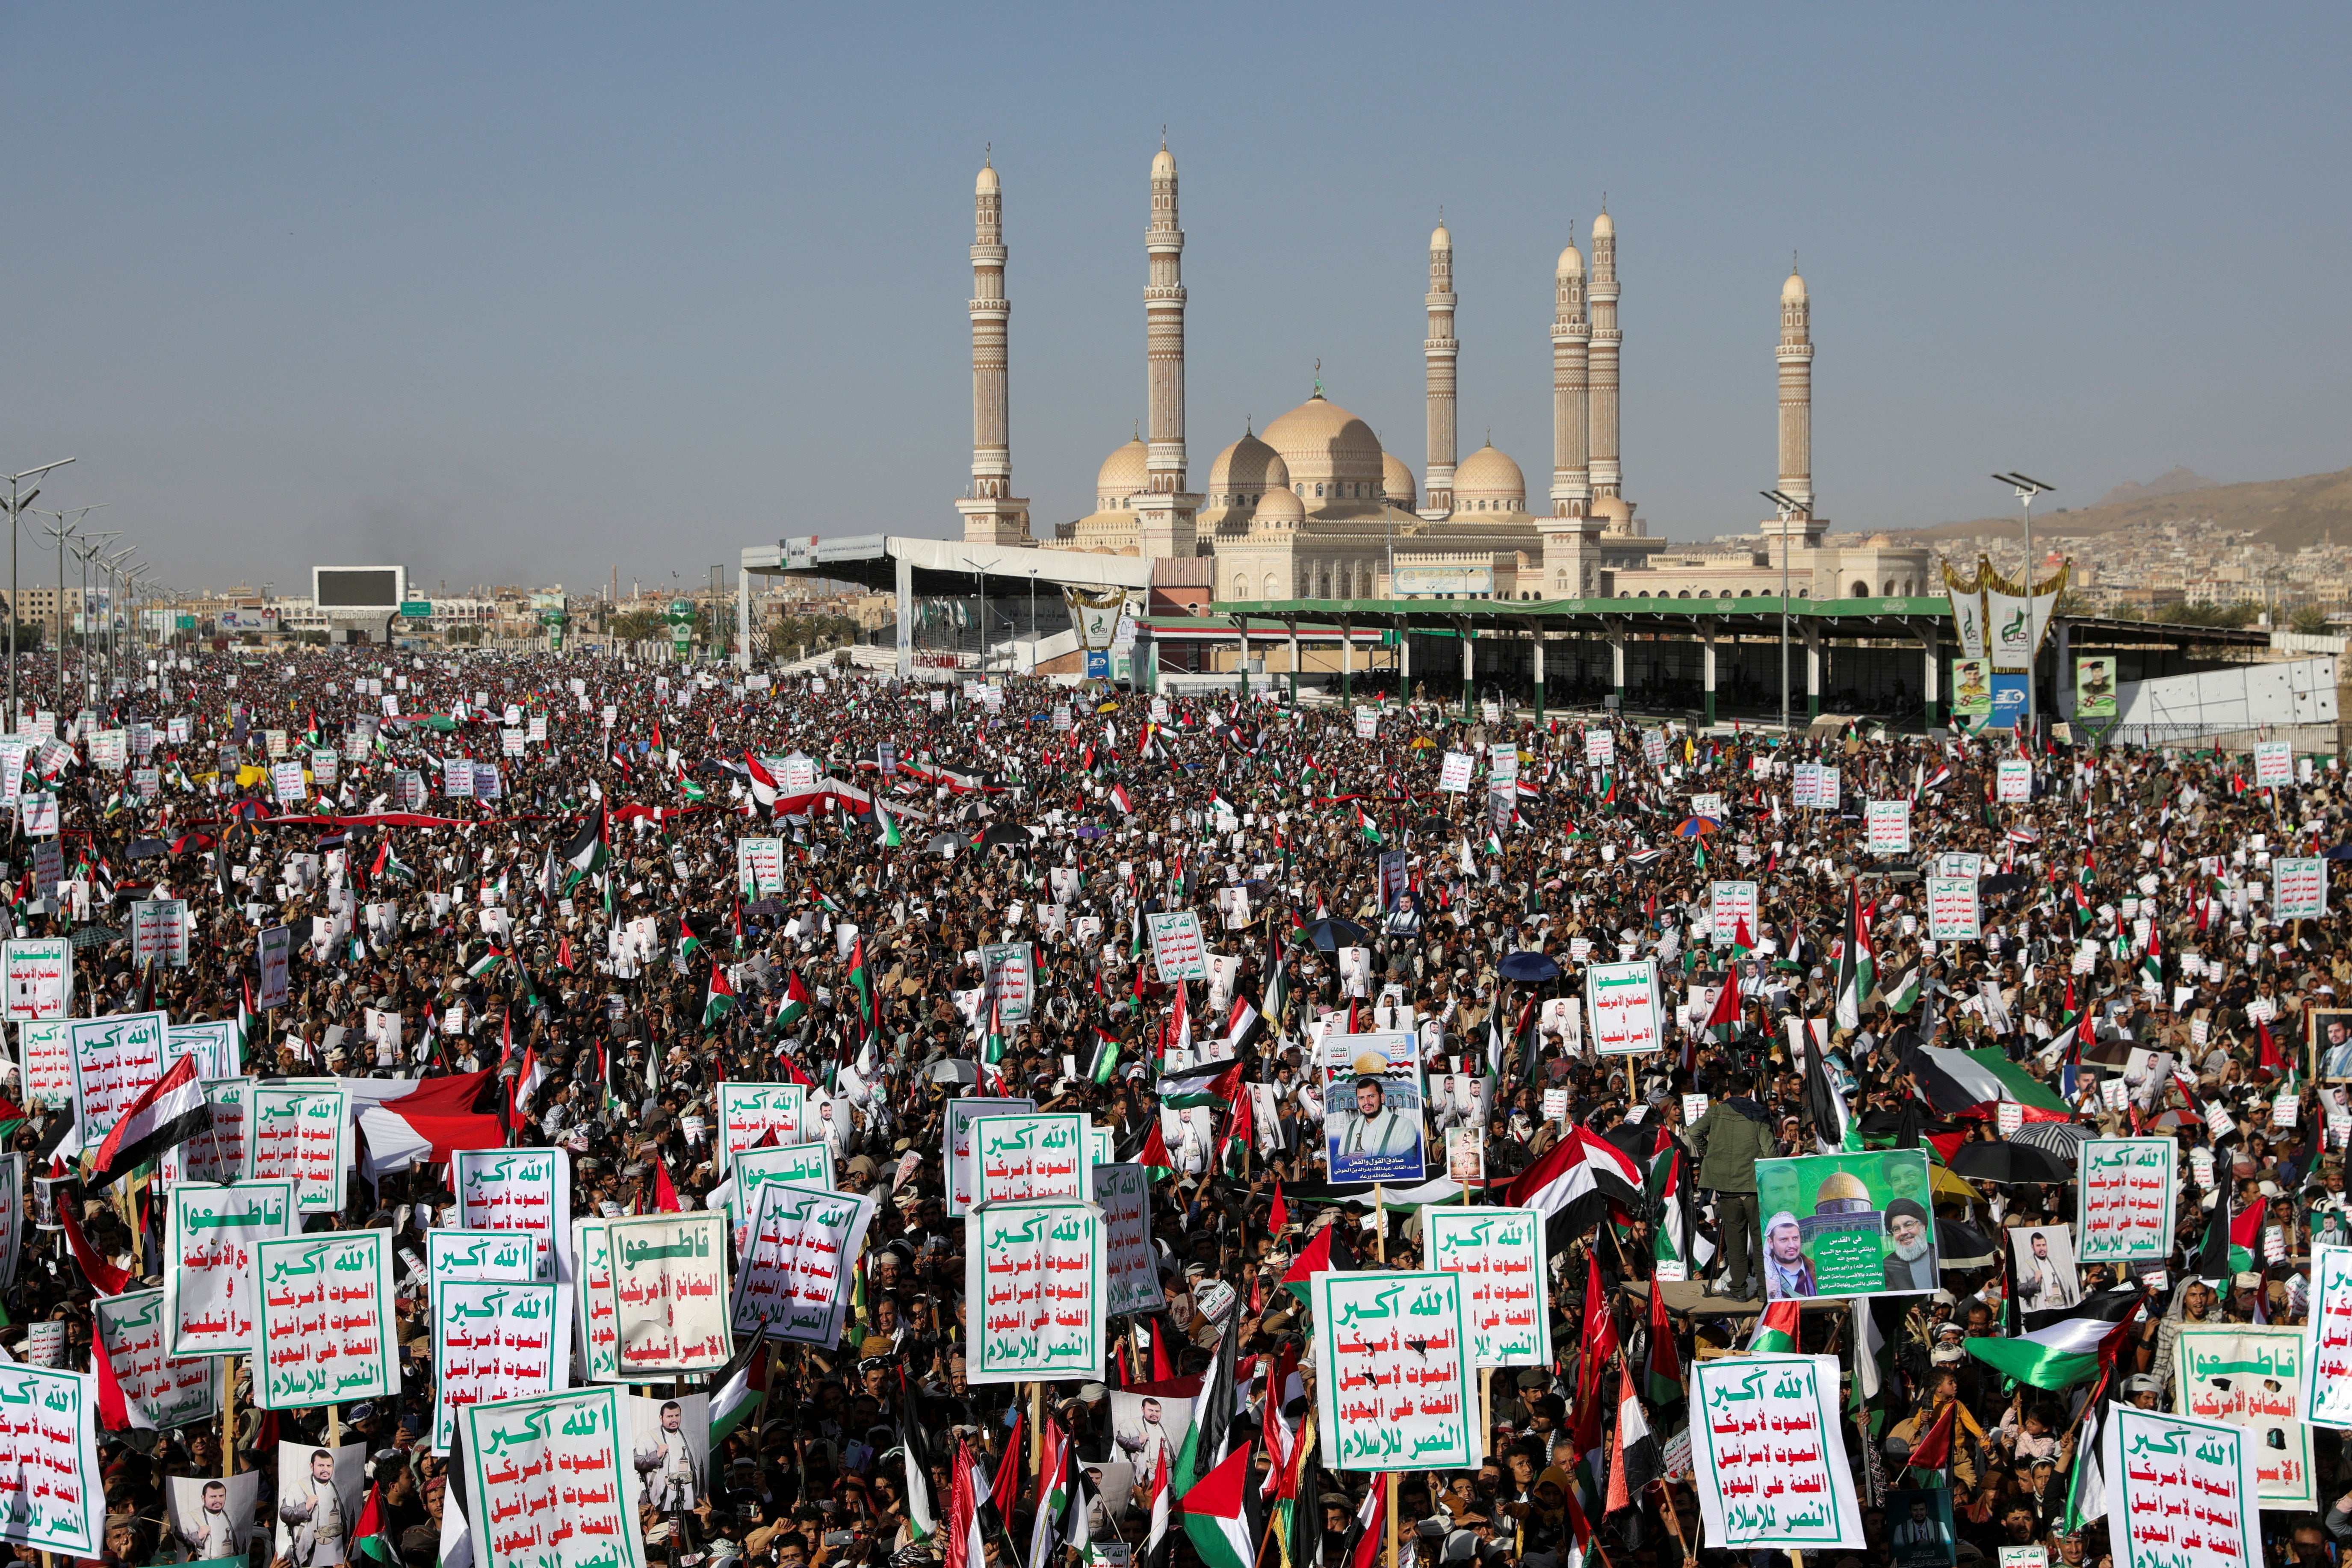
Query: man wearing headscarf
x,y
1912,1235
1788,1275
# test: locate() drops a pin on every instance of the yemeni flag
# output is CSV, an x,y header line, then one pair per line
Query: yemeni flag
x,y
171,1111
1216,1513
764,792
719,999
372,1535
1368,827
1670,1201
2067,1352
1371,1526
586,854
1119,799
1575,1182
1858,970
795,1007
1776,1330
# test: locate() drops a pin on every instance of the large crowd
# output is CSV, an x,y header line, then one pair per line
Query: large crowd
x,y
2125,939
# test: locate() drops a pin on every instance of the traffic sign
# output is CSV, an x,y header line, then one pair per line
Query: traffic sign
x,y
417,609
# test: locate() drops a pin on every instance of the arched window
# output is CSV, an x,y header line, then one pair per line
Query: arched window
x,y
1859,591
1804,592
1907,587
1269,586
1890,588
1319,492
1747,593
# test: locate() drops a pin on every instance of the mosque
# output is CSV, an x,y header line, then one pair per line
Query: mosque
x,y
1313,508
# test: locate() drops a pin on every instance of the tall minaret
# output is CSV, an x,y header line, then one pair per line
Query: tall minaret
x,y
1165,512
1796,356
992,513
1608,477
1572,388
1440,350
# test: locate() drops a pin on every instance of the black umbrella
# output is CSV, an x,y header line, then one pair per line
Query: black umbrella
x,y
1962,1246
2005,1163
1331,933
945,843
1528,968
2341,852
1006,833
1433,825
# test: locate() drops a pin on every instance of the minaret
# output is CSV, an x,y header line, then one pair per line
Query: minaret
x,y
1440,350
1165,513
1796,357
992,513
1572,388
1608,476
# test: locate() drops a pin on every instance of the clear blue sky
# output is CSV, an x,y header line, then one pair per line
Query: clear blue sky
x,y
518,291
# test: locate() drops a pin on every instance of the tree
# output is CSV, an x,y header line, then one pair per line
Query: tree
x,y
637,625
2311,621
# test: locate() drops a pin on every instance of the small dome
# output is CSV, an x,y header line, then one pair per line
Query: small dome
x,y
1249,467
1439,239
1572,263
1279,506
1396,481
1603,228
1842,1187
987,186
1488,475
1123,473
1794,290
1163,164
1323,444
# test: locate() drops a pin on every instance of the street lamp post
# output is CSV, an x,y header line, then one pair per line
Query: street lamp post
x,y
85,554
16,505
1790,511
73,531
2026,490
124,570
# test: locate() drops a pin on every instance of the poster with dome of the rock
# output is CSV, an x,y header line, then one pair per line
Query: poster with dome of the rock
x,y
1847,1225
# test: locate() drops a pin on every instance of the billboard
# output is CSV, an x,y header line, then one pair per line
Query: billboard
x,y
358,587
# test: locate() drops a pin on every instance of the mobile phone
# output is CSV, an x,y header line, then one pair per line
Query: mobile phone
x,y
836,1538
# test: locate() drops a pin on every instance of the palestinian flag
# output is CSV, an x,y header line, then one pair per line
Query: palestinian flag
x,y
795,1007
1575,1182
171,1111
1220,804
1825,1108
1054,1492
1857,969
1323,1254
1209,1444
1906,994
2067,1352
1494,841
2230,1243
586,853
1776,1330
115,1412
371,1534
2151,963
1634,1460
1669,1195
1216,1515
1153,1156
861,981
1105,1060
490,959
688,944
719,999
1368,827
885,826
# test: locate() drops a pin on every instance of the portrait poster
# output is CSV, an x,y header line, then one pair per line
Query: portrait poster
x,y
795,1279
750,1112
328,1334
1030,1155
2252,1377
2125,1196
2042,1268
1465,1155
1146,1428
212,1282
2094,686
1034,1287
1971,688
669,1292
956,1137
170,1391
302,1135
1622,999
2185,1488
1394,1385
1372,1129
2331,1043
1011,968
1499,1253
273,950
1919,1528
493,1341
517,1189
48,1462
212,1516
546,1482
1847,1225
667,1443
596,1326
1768,1455
1131,1265
115,1060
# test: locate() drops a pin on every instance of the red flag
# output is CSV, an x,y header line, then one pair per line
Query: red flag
x,y
1371,1545
664,1195
1006,1488
964,1546
1278,1218
115,1414
1600,1323
1725,1013
1933,1451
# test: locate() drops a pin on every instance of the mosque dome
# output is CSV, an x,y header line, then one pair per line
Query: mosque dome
x,y
1280,509
1396,482
987,186
1163,164
1842,1193
1330,453
1245,471
1487,480
1572,263
1440,239
1794,290
1603,228
1122,475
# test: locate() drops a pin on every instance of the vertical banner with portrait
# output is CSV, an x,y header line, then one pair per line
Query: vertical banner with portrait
x,y
669,1444
319,1496
212,1516
1372,1128
1146,1428
1971,689
1847,1225
2042,1266
1919,1528
2331,1043
2094,687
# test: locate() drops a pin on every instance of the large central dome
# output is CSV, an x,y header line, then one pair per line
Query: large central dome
x,y
1328,450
